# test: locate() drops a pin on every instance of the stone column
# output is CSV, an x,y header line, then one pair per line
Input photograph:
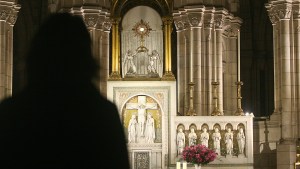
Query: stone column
x,y
284,65
219,21
207,64
274,20
115,74
104,55
181,64
167,21
195,19
297,60
284,16
8,17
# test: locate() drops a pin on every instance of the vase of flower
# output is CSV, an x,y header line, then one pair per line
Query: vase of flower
x,y
197,166
198,155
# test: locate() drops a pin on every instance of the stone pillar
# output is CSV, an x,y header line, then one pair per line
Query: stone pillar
x,y
207,64
115,74
296,17
98,24
219,21
285,79
8,17
195,19
104,55
181,64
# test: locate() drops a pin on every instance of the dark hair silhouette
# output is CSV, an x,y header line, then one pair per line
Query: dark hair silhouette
x,y
60,120
61,52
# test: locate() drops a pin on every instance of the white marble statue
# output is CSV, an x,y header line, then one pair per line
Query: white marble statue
x,y
216,136
180,141
241,139
153,62
150,129
132,129
204,137
128,62
192,137
229,141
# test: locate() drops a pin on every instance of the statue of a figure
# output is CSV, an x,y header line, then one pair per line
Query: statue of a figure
x,y
229,141
241,139
150,129
128,62
180,141
153,62
216,136
192,138
132,130
204,137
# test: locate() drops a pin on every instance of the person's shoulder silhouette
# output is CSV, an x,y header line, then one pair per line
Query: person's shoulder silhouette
x,y
60,120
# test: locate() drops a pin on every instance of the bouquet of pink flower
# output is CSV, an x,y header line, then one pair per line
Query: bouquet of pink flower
x,y
198,154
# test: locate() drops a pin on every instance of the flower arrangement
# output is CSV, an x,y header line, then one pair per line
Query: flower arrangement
x,y
198,154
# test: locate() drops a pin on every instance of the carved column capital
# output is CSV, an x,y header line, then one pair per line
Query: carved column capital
x,y
284,11
104,23
195,19
90,20
232,26
208,20
296,11
167,20
4,14
219,18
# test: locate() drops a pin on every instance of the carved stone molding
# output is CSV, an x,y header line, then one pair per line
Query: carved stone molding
x,y
179,24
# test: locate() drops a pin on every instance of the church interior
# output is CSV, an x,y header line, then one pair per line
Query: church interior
x,y
184,66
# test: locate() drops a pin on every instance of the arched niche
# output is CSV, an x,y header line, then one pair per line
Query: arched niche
x,y
142,52
153,108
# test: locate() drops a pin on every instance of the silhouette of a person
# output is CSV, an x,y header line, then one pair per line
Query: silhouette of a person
x,y
60,120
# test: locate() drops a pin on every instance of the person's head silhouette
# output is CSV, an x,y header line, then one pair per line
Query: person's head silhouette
x,y
61,53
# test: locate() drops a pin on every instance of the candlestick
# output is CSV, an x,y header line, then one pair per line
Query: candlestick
x,y
178,165
184,165
239,57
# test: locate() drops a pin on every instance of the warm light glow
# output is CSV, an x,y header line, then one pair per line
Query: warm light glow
x,y
142,29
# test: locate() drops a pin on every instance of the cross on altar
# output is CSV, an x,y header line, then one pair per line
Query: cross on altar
x,y
141,106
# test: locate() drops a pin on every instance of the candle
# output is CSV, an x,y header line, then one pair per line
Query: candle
x,y
184,165
178,165
238,58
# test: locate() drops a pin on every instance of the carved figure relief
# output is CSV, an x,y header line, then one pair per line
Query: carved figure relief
x,y
217,140
241,139
180,140
192,137
141,115
229,141
204,137
132,130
